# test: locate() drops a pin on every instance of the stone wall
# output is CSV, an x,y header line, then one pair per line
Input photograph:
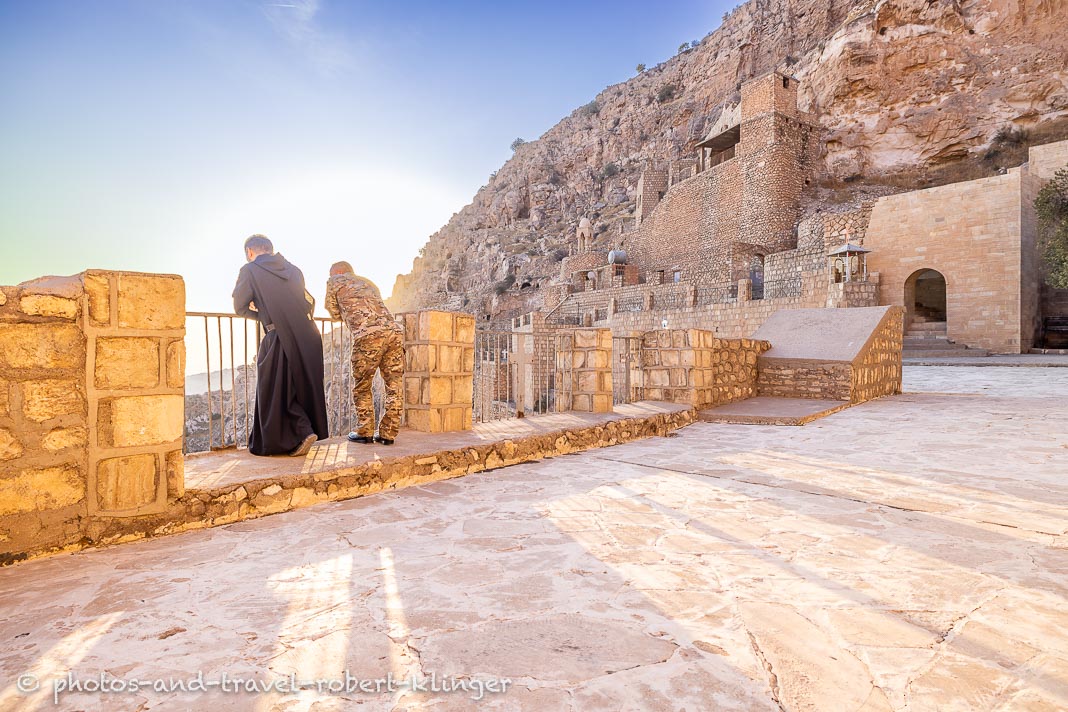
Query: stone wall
x,y
978,234
439,362
877,371
800,379
692,366
217,506
709,225
92,382
1044,161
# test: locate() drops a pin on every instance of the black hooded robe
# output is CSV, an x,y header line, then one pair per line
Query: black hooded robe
x,y
290,397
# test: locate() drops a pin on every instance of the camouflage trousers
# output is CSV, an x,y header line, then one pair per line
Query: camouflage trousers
x,y
382,350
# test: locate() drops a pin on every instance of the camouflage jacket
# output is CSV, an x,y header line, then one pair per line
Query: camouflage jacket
x,y
358,303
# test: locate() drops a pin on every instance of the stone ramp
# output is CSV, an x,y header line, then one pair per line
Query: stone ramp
x,y
763,410
849,355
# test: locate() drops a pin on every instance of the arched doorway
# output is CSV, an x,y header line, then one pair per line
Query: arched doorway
x,y
925,296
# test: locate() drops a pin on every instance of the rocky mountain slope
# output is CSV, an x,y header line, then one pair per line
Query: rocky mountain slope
x,y
908,92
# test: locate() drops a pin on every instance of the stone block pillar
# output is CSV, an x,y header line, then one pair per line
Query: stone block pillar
x,y
694,367
92,404
584,371
135,381
745,290
439,363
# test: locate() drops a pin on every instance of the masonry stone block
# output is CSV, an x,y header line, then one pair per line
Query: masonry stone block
x,y
131,421
127,362
41,346
435,326
413,386
440,390
63,438
35,490
152,302
126,482
10,447
98,292
176,364
175,474
51,398
585,338
450,359
49,305
465,329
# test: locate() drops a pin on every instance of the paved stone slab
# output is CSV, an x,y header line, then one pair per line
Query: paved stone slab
x,y
764,410
909,553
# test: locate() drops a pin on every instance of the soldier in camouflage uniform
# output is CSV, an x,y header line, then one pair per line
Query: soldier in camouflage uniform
x,y
377,344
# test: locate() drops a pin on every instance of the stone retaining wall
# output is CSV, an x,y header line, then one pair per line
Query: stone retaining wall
x,y
199,509
692,366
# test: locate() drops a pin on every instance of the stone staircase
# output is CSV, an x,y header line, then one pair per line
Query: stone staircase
x,y
926,338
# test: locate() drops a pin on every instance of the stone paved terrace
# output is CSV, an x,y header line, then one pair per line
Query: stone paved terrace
x,y
226,468
907,553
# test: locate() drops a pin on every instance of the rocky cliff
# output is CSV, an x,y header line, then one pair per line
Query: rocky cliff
x,y
907,92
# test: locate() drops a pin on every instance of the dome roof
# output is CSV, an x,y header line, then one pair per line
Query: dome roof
x,y
585,222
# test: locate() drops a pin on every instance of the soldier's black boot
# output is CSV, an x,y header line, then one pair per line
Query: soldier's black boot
x,y
384,441
362,439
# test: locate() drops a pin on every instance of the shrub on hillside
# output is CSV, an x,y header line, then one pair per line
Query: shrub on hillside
x,y
1052,208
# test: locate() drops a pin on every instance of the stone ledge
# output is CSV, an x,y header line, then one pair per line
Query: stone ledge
x,y
329,473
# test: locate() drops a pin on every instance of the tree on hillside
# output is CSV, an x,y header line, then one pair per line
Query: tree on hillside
x,y
640,68
517,143
683,47
1052,208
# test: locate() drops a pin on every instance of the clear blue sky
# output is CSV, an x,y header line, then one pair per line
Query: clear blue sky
x,y
156,135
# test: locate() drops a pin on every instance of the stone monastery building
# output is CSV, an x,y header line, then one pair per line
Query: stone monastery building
x,y
718,241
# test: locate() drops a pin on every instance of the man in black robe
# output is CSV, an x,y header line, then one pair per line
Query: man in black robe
x,y
290,398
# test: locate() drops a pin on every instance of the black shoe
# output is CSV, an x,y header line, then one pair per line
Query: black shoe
x,y
305,446
384,441
362,439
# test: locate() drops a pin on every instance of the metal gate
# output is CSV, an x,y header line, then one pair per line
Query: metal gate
x,y
626,369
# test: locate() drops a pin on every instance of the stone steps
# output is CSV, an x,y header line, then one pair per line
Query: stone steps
x,y
928,326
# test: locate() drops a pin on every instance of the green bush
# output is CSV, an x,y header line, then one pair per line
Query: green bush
x,y
610,170
1052,208
517,143
504,285
591,109
666,93
640,68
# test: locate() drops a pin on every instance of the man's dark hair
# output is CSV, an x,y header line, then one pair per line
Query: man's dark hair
x,y
260,245
341,268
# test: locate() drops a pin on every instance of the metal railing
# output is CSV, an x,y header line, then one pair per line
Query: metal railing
x,y
630,303
515,375
220,416
778,288
566,313
674,299
717,293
